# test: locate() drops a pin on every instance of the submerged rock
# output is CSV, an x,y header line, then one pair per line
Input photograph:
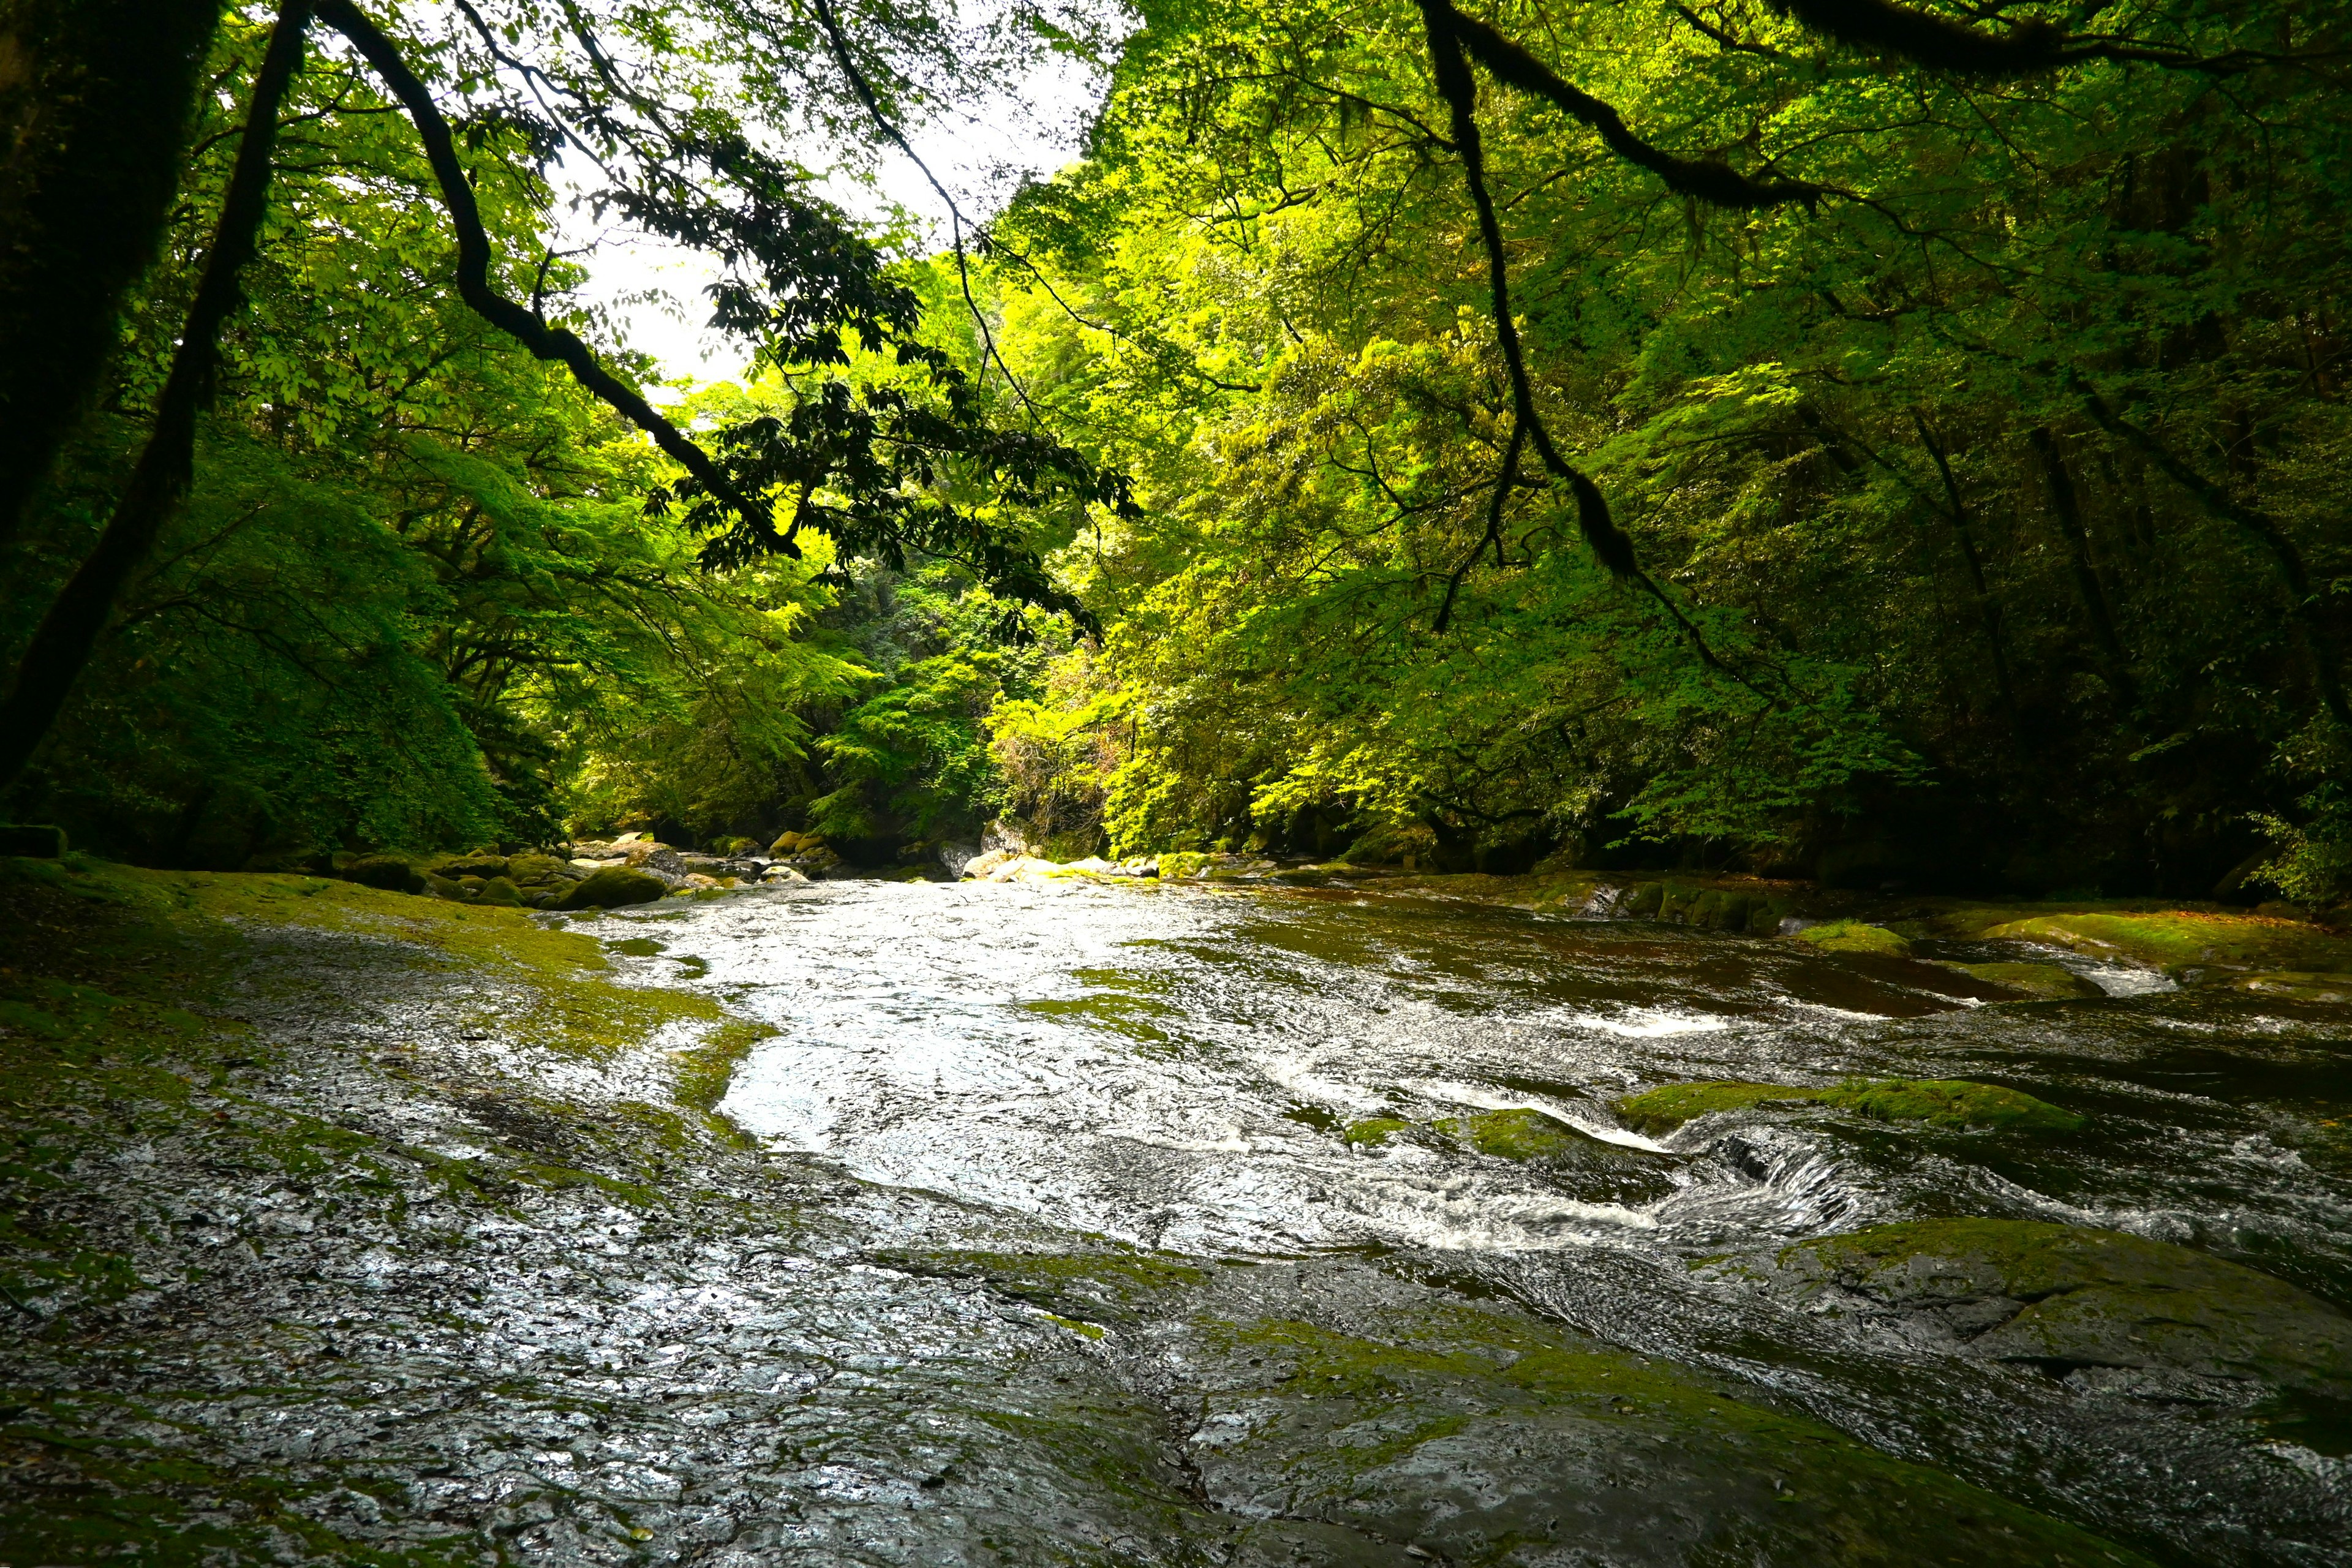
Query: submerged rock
x,y
2291,986
1590,1167
1946,1102
2044,982
2064,1299
613,888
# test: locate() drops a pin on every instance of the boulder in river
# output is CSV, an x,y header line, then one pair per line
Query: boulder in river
x,y
1854,936
613,887
2069,1299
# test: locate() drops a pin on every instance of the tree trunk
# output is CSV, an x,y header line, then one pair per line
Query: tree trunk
x,y
62,647
96,99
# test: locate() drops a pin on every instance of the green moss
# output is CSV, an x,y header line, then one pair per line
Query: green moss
x,y
706,1068
1951,1102
1374,1131
1854,936
1946,1102
2055,1296
1513,1134
2164,937
1120,1014
2044,982
1662,1110
1422,1414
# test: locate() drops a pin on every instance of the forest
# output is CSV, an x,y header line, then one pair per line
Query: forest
x,y
1888,444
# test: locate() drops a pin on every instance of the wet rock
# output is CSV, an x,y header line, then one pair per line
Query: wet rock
x,y
1476,1436
2066,1298
954,857
2289,985
780,874
816,862
2044,982
1854,936
389,872
1374,1131
31,840
1658,1111
658,859
1594,1168
1946,1102
613,887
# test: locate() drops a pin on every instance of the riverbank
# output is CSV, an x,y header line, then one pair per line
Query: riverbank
x,y
346,1226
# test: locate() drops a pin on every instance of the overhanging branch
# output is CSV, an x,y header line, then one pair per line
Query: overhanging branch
x,y
545,342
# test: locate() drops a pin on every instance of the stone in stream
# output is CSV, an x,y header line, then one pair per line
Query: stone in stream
x,y
2043,982
1592,1168
2069,1299
613,887
1854,936
1944,1102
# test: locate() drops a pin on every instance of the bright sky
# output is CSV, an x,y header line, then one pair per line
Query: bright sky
x,y
1032,127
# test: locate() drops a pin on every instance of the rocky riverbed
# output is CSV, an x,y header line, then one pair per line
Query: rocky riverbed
x,y
1079,1221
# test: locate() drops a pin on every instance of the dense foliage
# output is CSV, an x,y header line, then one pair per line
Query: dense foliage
x,y
2003,472
1974,423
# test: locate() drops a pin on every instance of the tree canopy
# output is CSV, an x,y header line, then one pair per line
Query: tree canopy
x,y
1889,442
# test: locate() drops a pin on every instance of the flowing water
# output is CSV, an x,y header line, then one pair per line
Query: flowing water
x,y
1174,1067
1053,1250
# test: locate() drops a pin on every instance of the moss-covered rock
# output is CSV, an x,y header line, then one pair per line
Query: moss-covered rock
x,y
1592,1168
613,888
1951,1103
1514,1134
2170,939
2289,985
1474,1437
482,865
1661,1110
1374,1131
2043,982
1946,1102
1854,936
389,872
2061,1297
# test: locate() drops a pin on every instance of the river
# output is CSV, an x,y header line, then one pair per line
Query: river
x,y
1118,1224
1174,1067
